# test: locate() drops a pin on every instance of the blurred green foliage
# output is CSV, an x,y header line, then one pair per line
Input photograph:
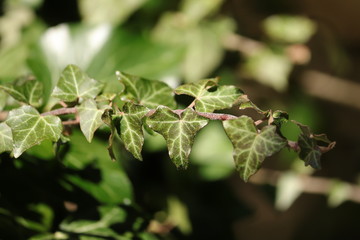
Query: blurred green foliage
x,y
73,190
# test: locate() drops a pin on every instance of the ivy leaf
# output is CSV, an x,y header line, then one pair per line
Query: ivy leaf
x,y
90,118
147,92
310,151
209,101
246,103
178,130
131,128
29,128
27,91
74,84
6,139
251,147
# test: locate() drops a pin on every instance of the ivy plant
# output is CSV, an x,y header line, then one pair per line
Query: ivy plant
x,y
148,105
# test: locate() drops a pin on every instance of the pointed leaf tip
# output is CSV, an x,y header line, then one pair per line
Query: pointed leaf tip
x,y
208,101
178,131
131,128
6,138
29,128
74,84
251,147
90,118
149,93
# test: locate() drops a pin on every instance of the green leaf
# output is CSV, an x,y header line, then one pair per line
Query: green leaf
x,y
3,98
289,28
27,91
147,92
251,147
310,152
6,138
178,130
208,101
29,128
109,215
279,118
246,103
113,186
90,118
74,84
131,128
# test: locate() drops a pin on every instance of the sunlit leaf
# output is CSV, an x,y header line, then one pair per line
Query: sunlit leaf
x,y
26,91
147,92
74,84
6,139
110,12
196,10
251,147
90,118
131,128
270,68
288,188
208,101
3,98
29,128
289,29
178,130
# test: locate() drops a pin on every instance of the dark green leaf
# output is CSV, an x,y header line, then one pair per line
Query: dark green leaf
x,y
279,118
250,146
29,128
90,118
74,84
6,139
208,101
147,92
131,128
178,130
310,151
113,186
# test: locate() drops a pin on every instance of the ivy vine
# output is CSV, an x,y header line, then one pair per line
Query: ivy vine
x,y
148,105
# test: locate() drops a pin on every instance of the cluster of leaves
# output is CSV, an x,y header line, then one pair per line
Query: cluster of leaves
x,y
150,105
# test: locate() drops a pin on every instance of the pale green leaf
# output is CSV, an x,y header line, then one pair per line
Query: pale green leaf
x,y
147,92
111,11
131,128
289,29
251,147
178,130
6,139
288,189
29,128
209,101
90,118
74,84
25,90
3,98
